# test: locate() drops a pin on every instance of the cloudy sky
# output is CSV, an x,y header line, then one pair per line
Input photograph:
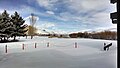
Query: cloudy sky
x,y
64,16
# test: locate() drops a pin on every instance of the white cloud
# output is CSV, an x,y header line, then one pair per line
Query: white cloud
x,y
87,5
48,4
94,4
87,13
50,12
30,10
80,7
95,13
45,25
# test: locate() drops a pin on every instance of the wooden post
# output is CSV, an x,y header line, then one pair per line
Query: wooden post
x,y
35,45
75,44
26,36
104,44
104,47
6,49
23,47
48,44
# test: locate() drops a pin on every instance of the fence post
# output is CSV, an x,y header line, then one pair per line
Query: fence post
x,y
48,44
75,44
35,45
104,47
6,49
23,47
26,36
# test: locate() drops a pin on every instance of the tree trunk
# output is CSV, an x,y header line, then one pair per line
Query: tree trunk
x,y
31,36
7,38
1,39
4,39
14,37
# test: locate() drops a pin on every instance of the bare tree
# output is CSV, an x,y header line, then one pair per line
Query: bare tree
x,y
33,19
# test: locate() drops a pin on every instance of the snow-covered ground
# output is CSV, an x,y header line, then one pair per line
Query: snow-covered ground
x,y
60,54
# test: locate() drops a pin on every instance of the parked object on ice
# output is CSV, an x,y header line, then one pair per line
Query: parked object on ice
x,y
106,47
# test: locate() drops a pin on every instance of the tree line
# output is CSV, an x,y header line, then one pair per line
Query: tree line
x,y
11,26
107,35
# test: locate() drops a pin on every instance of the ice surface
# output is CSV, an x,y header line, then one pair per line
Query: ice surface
x,y
60,54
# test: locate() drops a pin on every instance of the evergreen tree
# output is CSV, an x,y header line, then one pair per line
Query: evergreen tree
x,y
18,24
11,26
5,25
